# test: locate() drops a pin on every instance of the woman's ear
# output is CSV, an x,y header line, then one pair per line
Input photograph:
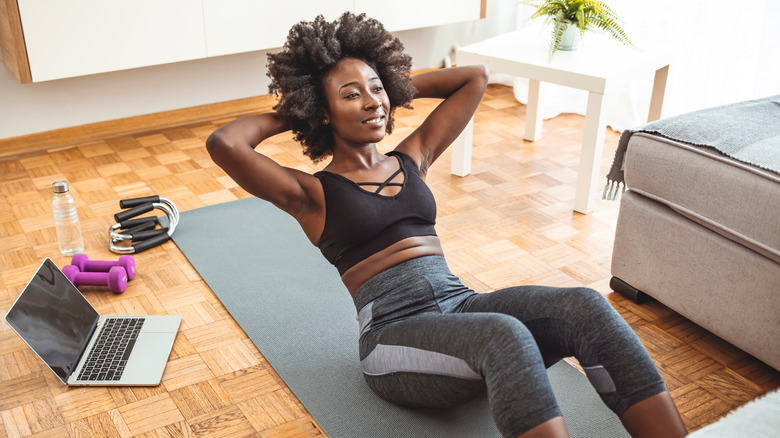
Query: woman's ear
x,y
325,116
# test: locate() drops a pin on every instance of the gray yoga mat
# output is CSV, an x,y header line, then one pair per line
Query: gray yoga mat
x,y
290,301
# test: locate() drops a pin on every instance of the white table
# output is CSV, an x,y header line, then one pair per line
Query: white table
x,y
596,67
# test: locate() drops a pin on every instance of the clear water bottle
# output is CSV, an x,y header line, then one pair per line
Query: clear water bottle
x,y
66,219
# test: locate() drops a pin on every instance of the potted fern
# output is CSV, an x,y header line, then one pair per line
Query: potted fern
x,y
571,18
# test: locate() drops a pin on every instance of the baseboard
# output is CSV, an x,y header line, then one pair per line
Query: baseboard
x,y
30,144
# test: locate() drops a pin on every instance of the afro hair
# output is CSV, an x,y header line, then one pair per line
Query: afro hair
x,y
311,51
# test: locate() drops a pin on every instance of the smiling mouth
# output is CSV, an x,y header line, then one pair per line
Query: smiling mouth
x,y
375,121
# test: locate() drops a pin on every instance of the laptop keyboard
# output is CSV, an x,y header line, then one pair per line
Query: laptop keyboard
x,y
109,355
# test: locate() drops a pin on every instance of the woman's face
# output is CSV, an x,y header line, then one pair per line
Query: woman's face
x,y
358,105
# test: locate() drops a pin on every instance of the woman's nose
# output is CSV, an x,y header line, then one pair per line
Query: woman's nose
x,y
371,102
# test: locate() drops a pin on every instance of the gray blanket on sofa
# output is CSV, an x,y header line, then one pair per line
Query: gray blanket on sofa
x,y
746,131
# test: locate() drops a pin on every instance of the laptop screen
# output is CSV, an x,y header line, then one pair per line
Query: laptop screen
x,y
54,318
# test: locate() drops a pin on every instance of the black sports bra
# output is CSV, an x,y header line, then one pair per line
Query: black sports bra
x,y
359,223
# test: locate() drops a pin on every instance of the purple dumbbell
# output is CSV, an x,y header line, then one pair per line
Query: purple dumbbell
x,y
86,265
115,278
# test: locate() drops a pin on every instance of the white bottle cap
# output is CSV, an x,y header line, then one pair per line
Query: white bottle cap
x,y
60,186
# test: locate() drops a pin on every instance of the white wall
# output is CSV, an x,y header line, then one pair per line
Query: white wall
x,y
43,106
721,52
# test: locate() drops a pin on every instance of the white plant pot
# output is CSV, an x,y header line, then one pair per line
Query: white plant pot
x,y
571,38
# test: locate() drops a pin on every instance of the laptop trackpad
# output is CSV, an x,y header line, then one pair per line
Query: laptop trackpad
x,y
147,362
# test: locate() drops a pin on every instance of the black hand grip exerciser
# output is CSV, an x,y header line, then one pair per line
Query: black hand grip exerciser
x,y
150,243
141,236
143,226
133,212
134,202
130,223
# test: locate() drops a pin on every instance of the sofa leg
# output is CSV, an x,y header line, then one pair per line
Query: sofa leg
x,y
629,291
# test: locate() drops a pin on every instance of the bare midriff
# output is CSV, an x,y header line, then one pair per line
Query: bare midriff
x,y
394,254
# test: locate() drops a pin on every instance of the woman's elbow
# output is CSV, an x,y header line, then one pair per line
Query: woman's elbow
x,y
217,144
482,74
220,148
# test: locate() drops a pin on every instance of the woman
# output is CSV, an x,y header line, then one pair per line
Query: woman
x,y
426,340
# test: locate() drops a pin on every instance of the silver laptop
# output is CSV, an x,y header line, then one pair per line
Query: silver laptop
x,y
82,347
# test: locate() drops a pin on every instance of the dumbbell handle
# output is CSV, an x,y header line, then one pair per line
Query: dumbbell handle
x,y
86,265
91,278
98,265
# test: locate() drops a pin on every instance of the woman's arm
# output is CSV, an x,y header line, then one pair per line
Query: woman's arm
x,y
232,148
462,89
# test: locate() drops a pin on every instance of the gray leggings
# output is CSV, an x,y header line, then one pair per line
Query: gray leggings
x,y
426,340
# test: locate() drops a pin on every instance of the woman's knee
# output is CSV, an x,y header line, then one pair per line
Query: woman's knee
x,y
585,304
509,346
588,298
506,330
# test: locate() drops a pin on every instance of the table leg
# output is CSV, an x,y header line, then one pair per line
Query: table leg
x,y
533,123
590,156
657,98
461,150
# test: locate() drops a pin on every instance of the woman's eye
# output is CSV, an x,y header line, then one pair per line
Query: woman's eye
x,y
378,89
350,95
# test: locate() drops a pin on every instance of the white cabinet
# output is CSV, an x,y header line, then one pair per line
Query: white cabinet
x,y
413,14
79,37
234,26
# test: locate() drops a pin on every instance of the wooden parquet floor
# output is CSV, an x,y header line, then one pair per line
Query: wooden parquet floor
x,y
509,222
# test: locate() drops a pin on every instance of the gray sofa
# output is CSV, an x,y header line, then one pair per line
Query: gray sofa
x,y
699,230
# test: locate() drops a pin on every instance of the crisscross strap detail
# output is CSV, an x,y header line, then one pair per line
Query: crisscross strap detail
x,y
383,184
359,223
